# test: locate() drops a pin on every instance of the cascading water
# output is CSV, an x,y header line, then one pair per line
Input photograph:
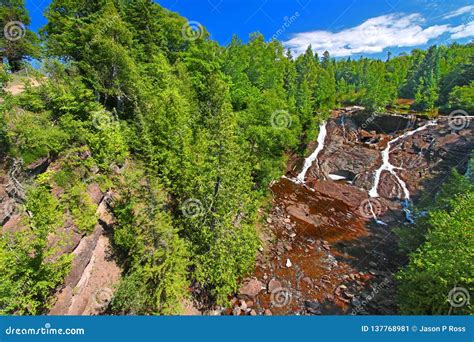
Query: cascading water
x,y
314,156
406,204
387,166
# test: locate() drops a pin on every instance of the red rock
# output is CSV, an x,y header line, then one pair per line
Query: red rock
x,y
251,288
95,193
273,285
39,166
236,311
243,305
308,281
268,312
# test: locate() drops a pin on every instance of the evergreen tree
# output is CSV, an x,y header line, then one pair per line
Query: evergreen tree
x,y
17,42
427,89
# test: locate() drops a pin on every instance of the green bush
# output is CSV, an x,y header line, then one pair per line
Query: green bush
x,y
156,258
445,259
82,208
30,269
462,98
34,136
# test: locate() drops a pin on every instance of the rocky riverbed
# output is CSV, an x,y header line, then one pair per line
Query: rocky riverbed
x,y
329,246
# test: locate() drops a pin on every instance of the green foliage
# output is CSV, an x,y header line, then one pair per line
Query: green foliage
x,y
232,252
156,257
443,262
64,93
444,259
17,42
462,98
34,135
108,144
30,269
82,208
370,83
412,237
4,141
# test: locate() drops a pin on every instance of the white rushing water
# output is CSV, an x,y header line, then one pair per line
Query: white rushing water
x,y
314,156
336,177
386,166
376,219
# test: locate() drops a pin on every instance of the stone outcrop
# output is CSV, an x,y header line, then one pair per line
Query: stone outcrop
x,y
88,287
338,239
354,153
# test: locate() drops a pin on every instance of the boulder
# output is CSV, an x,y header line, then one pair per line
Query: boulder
x,y
313,307
94,192
273,285
251,288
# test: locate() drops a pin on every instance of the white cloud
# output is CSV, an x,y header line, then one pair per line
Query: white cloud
x,y
460,11
372,36
463,31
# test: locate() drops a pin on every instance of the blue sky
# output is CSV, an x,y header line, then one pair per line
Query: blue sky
x,y
344,27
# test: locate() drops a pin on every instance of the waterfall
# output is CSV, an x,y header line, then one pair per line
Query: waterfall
x,y
314,156
406,203
387,166
376,219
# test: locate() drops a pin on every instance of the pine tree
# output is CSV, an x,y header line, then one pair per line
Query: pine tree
x,y
427,89
17,42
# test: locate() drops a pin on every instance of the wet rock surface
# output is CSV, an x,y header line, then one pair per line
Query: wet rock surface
x,y
323,251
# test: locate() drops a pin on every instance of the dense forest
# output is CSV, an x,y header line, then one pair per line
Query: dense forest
x,y
187,135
